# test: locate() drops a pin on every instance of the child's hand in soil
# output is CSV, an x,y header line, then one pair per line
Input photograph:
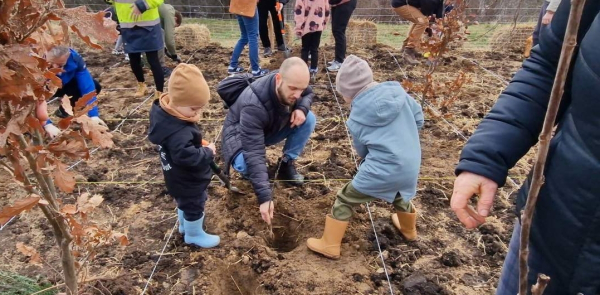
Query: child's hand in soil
x,y
465,186
266,211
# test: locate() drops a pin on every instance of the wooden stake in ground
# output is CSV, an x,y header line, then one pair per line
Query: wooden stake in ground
x,y
570,41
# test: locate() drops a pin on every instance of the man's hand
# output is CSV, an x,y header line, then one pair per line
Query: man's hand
x,y
547,17
135,12
99,121
465,186
51,130
297,118
266,211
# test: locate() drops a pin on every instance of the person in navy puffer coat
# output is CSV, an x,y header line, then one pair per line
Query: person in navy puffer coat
x,y
565,232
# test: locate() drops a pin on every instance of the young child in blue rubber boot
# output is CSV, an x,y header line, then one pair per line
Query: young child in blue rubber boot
x,y
384,123
185,162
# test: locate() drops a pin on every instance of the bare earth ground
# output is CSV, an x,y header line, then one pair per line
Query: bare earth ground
x,y
447,259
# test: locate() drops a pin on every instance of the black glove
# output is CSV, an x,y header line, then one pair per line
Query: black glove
x,y
176,58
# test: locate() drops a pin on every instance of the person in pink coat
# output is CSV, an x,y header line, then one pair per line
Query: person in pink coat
x,y
311,16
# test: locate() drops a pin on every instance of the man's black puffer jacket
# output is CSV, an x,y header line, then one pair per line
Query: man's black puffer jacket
x,y
252,118
566,225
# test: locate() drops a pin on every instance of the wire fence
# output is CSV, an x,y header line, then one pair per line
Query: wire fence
x,y
490,25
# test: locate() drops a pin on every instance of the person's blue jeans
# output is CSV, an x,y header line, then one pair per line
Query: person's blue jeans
x,y
249,35
295,141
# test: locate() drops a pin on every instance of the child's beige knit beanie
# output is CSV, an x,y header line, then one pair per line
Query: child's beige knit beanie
x,y
187,86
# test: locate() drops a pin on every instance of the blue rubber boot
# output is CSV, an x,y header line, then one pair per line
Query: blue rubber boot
x,y
195,234
181,219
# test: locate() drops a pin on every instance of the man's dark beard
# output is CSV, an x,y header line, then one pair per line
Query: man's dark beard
x,y
282,98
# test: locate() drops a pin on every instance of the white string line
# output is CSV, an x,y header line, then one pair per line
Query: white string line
x,y
500,78
440,115
159,257
352,153
9,221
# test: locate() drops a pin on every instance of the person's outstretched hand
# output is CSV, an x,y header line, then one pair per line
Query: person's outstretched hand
x,y
266,211
465,186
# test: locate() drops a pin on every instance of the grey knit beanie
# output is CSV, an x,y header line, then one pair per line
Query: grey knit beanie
x,y
354,75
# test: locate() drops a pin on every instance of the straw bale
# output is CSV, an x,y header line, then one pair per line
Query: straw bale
x,y
192,36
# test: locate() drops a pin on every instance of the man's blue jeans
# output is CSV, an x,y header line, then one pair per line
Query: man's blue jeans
x,y
295,140
249,35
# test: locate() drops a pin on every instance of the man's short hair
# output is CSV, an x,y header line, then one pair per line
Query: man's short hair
x,y
178,18
58,51
290,63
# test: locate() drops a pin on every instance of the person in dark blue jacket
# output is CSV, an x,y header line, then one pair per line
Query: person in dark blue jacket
x,y
185,162
76,82
565,232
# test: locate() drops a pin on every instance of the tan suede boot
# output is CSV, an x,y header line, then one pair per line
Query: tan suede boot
x,y
406,223
141,90
330,243
157,95
528,45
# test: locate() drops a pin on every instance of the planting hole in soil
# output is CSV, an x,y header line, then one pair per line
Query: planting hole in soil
x,y
285,236
239,281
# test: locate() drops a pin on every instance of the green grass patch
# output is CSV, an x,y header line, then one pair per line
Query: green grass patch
x,y
15,284
226,32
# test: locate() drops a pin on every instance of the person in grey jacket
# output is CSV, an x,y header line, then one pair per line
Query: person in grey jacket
x,y
384,123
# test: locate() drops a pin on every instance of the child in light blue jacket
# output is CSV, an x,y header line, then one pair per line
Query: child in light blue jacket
x,y
384,123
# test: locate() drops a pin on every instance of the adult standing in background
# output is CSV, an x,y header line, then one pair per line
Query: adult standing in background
x,y
417,12
170,19
546,14
248,35
142,33
341,11
538,26
550,10
264,8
